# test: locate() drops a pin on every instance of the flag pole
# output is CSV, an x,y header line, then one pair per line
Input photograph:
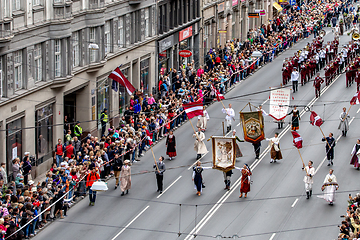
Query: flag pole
x,y
347,113
222,103
194,130
157,167
302,160
324,137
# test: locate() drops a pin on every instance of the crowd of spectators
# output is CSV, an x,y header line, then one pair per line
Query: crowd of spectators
x,y
147,119
350,225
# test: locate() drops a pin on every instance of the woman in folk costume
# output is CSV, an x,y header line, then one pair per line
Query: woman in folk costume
x,y
199,145
275,148
171,145
202,120
245,180
344,122
237,148
125,178
197,177
329,187
295,119
355,153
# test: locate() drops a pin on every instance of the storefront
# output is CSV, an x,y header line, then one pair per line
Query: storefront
x,y
14,141
44,133
164,55
144,75
185,43
123,94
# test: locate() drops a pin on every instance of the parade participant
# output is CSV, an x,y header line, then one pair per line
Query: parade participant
x,y
330,140
275,148
317,84
355,153
199,145
227,177
159,172
237,148
329,187
257,148
171,145
230,114
202,120
344,122
117,165
245,180
295,119
125,178
295,79
197,177
358,81
308,178
92,177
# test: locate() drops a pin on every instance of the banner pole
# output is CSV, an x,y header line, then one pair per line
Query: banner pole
x,y
325,137
302,160
157,167
194,130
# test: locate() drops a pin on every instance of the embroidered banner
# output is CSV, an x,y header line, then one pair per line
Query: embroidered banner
x,y
253,126
224,155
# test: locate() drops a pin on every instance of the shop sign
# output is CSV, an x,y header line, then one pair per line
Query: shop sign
x,y
253,15
166,43
262,12
221,7
185,53
186,33
235,2
283,2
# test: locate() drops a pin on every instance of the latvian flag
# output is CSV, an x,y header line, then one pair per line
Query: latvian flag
x,y
297,139
193,109
219,96
355,99
315,119
119,77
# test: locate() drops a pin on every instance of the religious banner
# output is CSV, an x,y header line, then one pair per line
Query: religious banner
x,y
253,126
279,103
224,155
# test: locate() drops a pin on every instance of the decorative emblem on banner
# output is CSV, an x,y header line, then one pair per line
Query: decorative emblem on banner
x,y
224,155
253,125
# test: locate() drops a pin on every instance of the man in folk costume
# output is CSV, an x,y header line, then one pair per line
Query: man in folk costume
x,y
125,178
355,153
202,120
275,148
317,84
308,178
329,187
344,122
159,172
199,145
237,148
245,180
295,119
330,140
230,115
197,177
171,145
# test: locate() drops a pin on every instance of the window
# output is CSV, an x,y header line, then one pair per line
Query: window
x,y
36,2
7,8
123,94
121,32
107,37
76,49
16,5
92,40
57,58
38,62
44,132
147,23
2,86
18,70
144,75
13,142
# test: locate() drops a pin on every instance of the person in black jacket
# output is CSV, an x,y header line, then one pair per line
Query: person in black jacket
x,y
330,144
26,168
117,164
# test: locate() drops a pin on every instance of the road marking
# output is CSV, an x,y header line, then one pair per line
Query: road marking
x,y
296,200
358,110
130,223
272,236
169,187
219,203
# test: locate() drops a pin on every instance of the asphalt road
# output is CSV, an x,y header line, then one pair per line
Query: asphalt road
x,y
276,207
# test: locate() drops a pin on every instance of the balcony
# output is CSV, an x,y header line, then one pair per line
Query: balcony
x,y
96,4
5,37
134,2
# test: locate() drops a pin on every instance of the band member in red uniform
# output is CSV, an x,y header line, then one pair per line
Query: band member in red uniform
x,y
358,81
317,84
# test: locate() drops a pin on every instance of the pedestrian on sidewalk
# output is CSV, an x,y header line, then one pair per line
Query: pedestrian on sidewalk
x,y
125,178
159,172
330,140
308,178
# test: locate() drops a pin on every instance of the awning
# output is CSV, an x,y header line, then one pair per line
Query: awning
x,y
277,6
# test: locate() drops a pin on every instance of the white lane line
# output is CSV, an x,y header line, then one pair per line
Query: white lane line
x,y
169,187
272,236
212,211
296,200
358,110
130,223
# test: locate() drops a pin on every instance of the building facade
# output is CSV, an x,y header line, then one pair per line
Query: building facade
x,y
55,58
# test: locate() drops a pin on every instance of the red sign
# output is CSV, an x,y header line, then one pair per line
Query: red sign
x,y
235,2
185,53
186,33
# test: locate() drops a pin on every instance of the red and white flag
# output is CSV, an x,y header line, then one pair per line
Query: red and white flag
x,y
355,99
193,109
119,77
219,96
297,139
315,119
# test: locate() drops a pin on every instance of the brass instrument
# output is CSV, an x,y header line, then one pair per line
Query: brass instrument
x,y
322,33
355,36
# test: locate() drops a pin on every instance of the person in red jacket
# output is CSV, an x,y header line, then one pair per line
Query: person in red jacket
x,y
92,177
317,84
69,149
